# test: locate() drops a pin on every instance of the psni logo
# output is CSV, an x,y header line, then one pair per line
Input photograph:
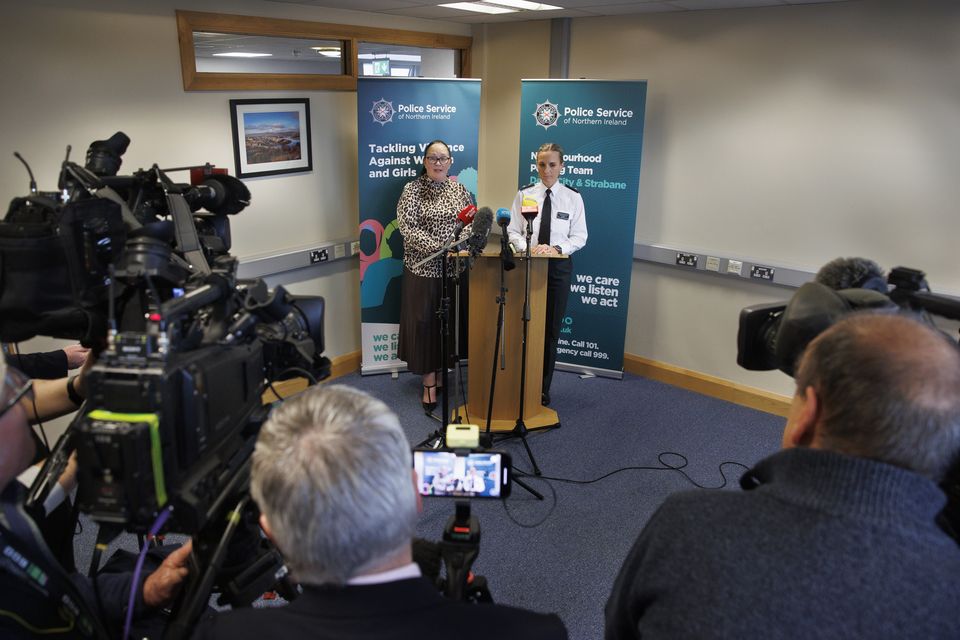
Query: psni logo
x,y
382,111
546,114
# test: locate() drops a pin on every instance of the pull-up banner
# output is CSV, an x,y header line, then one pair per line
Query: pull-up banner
x,y
599,124
397,118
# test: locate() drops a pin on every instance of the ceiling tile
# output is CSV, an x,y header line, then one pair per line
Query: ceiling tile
x,y
704,5
572,8
358,5
630,8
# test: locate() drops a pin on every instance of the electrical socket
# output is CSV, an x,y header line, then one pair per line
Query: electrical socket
x,y
713,263
734,267
761,273
339,251
354,247
687,260
319,255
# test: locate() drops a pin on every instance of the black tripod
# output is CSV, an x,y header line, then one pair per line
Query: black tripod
x,y
520,429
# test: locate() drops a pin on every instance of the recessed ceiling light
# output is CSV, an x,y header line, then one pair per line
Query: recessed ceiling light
x,y
524,4
243,54
478,7
330,52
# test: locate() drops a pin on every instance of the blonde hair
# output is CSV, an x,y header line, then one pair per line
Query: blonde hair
x,y
551,146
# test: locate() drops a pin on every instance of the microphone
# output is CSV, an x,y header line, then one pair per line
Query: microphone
x,y
464,218
529,209
506,254
852,273
481,230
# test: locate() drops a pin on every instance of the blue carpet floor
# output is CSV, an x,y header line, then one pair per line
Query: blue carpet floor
x,y
562,554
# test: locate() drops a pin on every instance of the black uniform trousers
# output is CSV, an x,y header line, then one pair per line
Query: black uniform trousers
x,y
559,272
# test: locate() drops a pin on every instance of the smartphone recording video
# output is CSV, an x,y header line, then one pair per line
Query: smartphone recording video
x,y
474,475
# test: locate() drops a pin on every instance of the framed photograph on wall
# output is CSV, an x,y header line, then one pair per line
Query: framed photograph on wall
x,y
271,137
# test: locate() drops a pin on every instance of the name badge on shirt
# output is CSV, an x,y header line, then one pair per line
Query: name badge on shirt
x,y
563,215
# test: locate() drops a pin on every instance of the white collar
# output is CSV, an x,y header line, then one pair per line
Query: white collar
x,y
405,572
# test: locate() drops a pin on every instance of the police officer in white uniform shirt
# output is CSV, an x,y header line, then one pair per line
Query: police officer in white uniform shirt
x,y
559,228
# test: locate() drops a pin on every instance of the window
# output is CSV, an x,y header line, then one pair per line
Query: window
x,y
379,59
237,53
223,52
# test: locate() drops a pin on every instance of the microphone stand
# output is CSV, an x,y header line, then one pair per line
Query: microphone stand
x,y
438,438
450,316
498,347
521,428
455,355
497,350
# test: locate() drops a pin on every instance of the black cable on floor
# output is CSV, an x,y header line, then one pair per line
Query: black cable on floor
x,y
666,466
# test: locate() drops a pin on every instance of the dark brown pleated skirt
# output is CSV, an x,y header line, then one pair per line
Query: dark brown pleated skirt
x,y
419,324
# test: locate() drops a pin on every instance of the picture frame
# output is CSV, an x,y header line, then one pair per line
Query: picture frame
x,y
271,136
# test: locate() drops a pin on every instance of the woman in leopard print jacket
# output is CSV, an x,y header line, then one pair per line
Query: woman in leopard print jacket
x,y
427,217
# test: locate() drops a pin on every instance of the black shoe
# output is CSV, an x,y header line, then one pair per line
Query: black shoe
x,y
428,407
545,398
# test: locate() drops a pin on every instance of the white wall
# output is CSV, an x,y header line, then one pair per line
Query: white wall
x,y
503,54
77,71
790,134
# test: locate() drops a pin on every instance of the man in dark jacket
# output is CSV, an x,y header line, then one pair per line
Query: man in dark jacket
x,y
333,477
833,537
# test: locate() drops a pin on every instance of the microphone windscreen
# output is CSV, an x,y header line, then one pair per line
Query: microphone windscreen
x,y
503,216
851,273
481,229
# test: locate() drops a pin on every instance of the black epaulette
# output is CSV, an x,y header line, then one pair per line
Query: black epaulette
x,y
527,186
571,188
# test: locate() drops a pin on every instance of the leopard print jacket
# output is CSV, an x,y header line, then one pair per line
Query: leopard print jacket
x,y
427,215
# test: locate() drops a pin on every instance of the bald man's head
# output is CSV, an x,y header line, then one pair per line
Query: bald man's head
x,y
888,389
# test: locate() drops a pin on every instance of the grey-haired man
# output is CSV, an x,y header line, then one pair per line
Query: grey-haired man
x,y
333,477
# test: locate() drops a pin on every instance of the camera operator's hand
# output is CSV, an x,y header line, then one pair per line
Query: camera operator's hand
x,y
51,399
162,586
68,479
76,356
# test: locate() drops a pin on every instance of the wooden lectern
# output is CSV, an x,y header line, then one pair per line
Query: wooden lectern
x,y
484,289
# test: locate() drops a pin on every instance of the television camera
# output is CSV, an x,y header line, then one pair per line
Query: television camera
x,y
138,268
773,336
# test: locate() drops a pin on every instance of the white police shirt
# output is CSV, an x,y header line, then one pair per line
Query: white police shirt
x,y
568,224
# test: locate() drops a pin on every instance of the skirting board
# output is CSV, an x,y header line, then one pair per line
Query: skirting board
x,y
707,385
677,376
345,364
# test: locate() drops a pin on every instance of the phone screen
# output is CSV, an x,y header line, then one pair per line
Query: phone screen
x,y
475,475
